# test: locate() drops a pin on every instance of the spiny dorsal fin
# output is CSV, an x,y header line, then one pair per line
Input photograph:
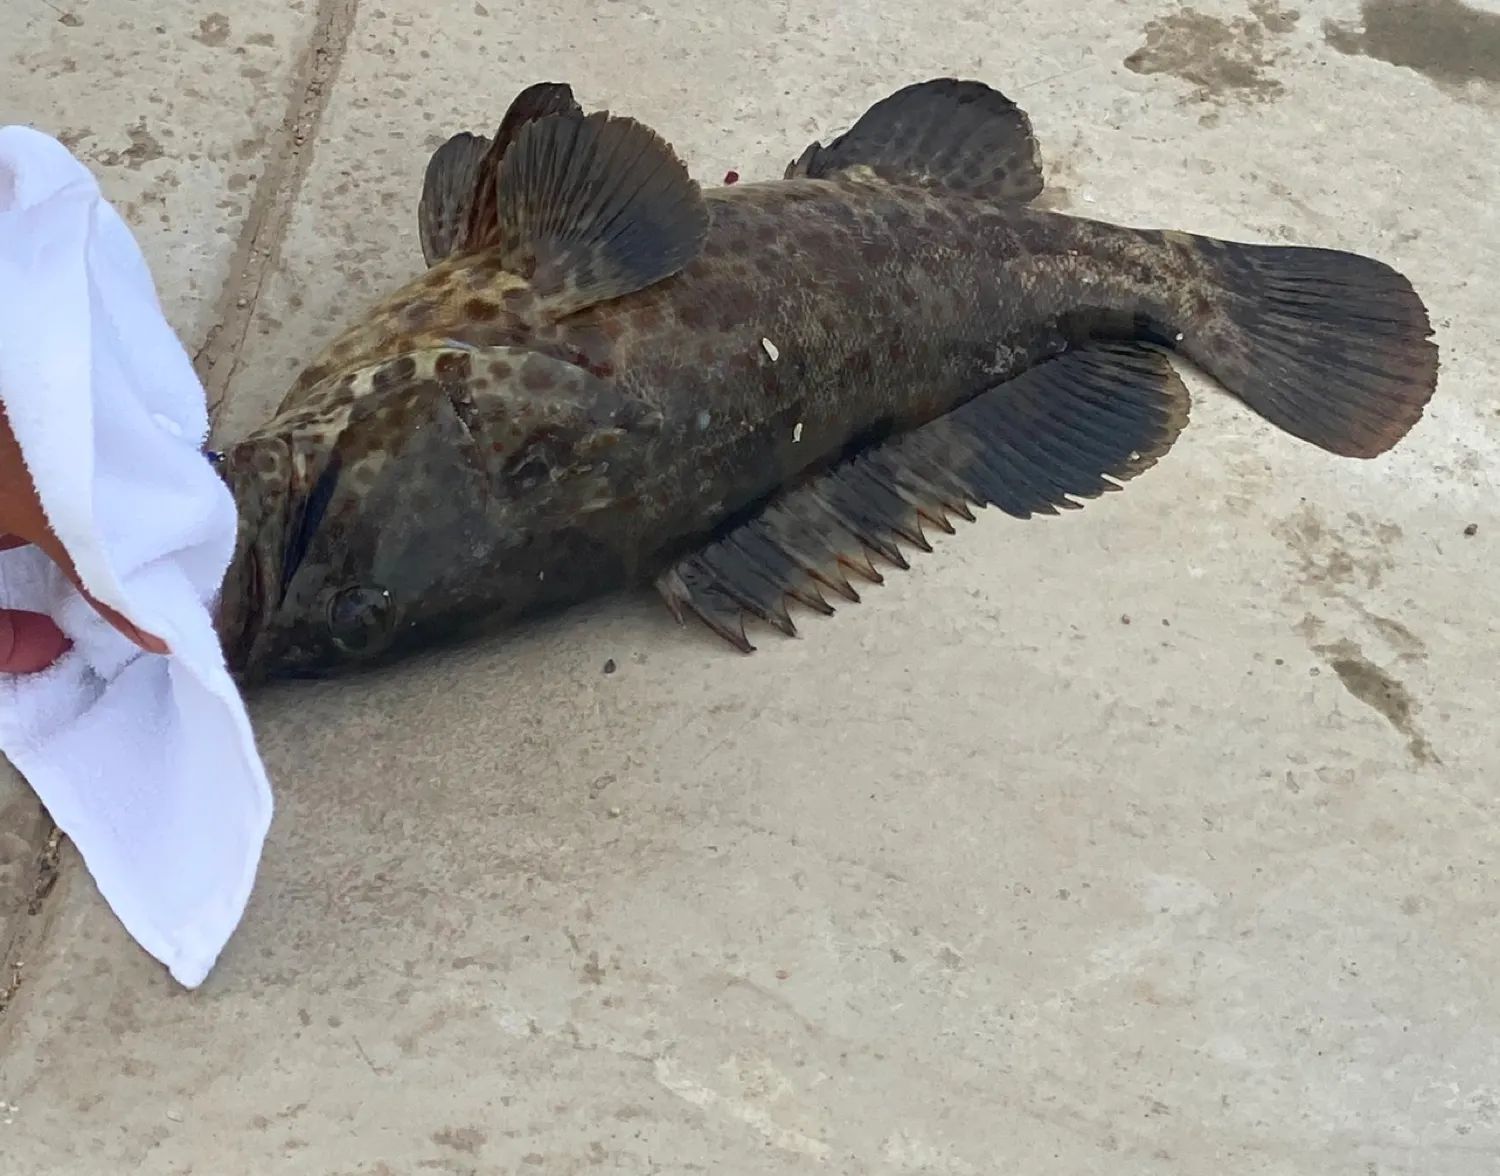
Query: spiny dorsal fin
x,y
453,196
447,192
592,208
542,100
964,136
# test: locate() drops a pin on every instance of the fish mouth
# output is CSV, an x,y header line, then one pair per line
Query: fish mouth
x,y
242,614
245,597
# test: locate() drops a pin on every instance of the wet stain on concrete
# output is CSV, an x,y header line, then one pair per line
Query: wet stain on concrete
x,y
1341,565
1061,165
144,147
462,1139
1381,692
213,30
1221,59
1273,17
1333,561
1398,636
1444,40
71,137
1055,197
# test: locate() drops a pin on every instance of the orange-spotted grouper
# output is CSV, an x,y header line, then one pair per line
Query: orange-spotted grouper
x,y
608,377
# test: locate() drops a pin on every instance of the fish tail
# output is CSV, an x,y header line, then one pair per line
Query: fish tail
x,y
1332,347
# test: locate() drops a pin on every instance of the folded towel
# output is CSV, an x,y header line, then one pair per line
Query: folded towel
x,y
147,762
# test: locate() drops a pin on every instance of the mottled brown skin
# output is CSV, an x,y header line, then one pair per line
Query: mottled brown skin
x,y
459,459
887,304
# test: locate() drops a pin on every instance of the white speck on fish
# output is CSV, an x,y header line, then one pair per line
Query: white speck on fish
x,y
703,419
771,349
797,433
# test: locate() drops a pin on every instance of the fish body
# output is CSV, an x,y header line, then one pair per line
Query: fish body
x,y
609,377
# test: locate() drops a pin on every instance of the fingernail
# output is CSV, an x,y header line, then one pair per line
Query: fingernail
x,y
29,642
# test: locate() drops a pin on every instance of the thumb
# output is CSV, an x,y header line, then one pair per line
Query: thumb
x,y
29,642
52,545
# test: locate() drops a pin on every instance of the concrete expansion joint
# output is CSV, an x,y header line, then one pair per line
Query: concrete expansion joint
x,y
290,155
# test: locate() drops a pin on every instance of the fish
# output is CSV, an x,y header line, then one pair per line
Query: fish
x,y
450,181
752,396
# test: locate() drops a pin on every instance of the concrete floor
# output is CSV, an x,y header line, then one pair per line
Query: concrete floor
x,y
1158,838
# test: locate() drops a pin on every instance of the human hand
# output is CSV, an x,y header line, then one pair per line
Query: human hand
x,y
32,641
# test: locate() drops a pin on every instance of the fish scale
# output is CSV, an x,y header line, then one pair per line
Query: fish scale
x,y
608,377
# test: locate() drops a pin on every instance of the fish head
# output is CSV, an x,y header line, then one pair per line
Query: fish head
x,y
405,502
362,514
258,473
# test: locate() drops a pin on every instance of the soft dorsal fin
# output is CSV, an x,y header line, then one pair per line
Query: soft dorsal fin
x,y
960,135
452,193
589,208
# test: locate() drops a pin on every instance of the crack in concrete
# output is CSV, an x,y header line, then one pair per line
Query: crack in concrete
x,y
29,929
217,357
259,246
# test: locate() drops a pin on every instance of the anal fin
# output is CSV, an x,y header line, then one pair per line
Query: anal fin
x,y
1072,428
962,136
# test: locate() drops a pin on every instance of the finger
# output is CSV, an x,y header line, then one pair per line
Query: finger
x,y
54,548
29,642
25,520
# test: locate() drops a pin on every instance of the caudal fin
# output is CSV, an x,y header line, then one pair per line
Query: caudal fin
x,y
1332,347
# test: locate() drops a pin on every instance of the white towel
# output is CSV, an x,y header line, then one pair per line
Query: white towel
x,y
146,762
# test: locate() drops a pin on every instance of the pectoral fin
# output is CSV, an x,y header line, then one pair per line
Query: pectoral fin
x,y
1072,428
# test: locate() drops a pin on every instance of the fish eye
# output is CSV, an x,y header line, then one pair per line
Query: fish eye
x,y
358,618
